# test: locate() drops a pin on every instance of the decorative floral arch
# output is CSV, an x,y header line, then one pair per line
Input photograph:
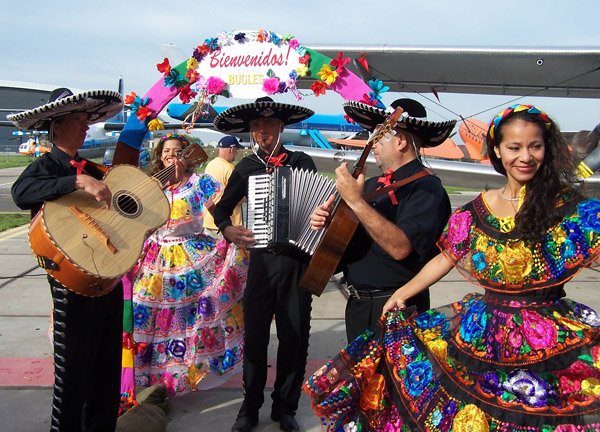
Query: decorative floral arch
x,y
184,81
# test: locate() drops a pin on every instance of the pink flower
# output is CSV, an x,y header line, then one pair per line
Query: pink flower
x,y
169,382
222,247
566,428
215,85
208,338
458,227
160,348
271,85
515,339
570,379
232,280
294,43
538,331
163,319
500,335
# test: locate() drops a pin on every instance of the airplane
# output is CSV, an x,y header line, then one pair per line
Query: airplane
x,y
566,72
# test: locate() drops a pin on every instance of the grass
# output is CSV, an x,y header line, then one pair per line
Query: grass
x,y
12,220
12,160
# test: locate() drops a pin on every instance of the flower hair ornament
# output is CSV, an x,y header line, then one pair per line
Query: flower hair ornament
x,y
181,138
517,108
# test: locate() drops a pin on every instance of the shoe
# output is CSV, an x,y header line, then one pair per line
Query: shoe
x,y
244,424
287,422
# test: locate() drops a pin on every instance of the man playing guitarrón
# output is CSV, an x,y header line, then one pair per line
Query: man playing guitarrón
x,y
87,330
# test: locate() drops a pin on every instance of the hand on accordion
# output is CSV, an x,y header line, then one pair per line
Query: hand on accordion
x,y
239,236
319,216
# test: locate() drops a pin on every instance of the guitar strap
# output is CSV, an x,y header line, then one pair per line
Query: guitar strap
x,y
424,172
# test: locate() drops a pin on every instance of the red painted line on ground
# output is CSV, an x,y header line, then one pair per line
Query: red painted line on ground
x,y
39,372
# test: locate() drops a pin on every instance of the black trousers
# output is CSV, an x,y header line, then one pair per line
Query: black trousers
x,y
272,289
364,313
87,359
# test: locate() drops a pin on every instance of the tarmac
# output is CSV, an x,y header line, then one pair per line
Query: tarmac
x,y
26,370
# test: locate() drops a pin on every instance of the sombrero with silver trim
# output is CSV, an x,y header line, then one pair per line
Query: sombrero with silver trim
x,y
97,104
432,134
238,118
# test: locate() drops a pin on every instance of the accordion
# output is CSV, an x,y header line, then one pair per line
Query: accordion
x,y
280,204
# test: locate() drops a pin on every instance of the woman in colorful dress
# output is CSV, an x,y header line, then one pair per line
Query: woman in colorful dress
x,y
520,356
187,291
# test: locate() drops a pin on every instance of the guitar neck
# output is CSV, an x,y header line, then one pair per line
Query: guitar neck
x,y
375,137
165,175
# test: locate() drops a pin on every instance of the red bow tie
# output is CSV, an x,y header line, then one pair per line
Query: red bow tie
x,y
79,165
387,179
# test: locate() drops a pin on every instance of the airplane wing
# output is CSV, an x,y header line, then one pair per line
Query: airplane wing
x,y
557,72
469,175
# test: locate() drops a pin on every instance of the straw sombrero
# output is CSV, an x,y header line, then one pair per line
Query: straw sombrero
x,y
238,118
97,104
431,133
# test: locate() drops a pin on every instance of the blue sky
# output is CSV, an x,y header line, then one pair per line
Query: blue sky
x,y
85,44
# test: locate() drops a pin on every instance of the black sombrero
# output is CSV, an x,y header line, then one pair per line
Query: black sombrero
x,y
432,134
238,118
97,104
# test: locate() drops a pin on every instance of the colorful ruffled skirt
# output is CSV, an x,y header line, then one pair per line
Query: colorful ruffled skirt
x,y
481,364
187,312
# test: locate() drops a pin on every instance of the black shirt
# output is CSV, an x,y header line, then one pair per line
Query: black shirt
x,y
421,213
47,178
237,187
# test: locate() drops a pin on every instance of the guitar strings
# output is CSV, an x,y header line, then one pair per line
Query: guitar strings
x,y
162,176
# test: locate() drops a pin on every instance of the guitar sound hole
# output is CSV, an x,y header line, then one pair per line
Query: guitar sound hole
x,y
126,204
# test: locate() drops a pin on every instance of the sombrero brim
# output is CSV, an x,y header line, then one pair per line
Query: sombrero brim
x,y
99,105
432,134
237,119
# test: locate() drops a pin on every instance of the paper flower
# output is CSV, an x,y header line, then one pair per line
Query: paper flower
x,y
212,43
349,119
155,124
192,76
304,59
130,98
240,37
318,87
198,54
186,94
260,36
340,62
294,43
327,75
367,100
302,70
215,85
192,63
172,78
271,85
378,88
288,37
142,112
203,49
274,38
164,67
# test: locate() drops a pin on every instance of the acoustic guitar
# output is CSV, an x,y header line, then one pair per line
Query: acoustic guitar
x,y
342,223
87,247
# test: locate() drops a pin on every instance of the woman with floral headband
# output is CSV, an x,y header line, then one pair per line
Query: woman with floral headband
x,y
521,356
187,290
